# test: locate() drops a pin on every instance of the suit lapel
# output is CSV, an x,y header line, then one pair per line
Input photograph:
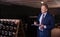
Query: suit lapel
x,y
46,15
45,19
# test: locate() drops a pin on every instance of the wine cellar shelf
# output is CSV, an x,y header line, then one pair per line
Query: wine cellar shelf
x,y
9,27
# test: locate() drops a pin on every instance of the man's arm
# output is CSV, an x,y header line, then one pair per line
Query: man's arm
x,y
51,23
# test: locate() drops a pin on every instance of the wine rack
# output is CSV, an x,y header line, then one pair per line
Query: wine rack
x,y
9,27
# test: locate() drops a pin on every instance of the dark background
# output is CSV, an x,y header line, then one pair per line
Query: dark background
x,y
21,11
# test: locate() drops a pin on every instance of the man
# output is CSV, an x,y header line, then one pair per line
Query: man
x,y
46,22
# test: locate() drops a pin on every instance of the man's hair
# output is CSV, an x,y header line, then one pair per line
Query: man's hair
x,y
45,5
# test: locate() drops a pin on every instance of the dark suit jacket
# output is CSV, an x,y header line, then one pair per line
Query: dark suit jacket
x,y
48,21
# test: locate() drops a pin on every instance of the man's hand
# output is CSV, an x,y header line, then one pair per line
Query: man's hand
x,y
35,23
41,26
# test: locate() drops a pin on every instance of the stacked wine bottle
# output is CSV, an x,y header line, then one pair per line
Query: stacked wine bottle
x,y
8,29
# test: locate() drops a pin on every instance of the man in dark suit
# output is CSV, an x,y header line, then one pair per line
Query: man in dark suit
x,y
46,22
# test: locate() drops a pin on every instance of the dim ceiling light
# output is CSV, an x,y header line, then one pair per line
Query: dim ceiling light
x,y
42,2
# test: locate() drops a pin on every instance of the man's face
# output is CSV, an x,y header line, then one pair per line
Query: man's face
x,y
43,9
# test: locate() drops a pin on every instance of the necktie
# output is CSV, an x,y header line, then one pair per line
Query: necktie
x,y
42,19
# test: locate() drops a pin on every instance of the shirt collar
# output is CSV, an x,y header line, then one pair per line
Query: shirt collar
x,y
45,14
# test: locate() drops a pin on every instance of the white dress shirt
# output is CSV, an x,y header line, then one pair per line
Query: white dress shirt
x,y
40,20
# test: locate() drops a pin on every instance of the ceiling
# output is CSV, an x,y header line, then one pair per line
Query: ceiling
x,y
32,3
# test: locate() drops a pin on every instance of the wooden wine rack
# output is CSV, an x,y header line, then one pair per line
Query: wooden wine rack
x,y
9,27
